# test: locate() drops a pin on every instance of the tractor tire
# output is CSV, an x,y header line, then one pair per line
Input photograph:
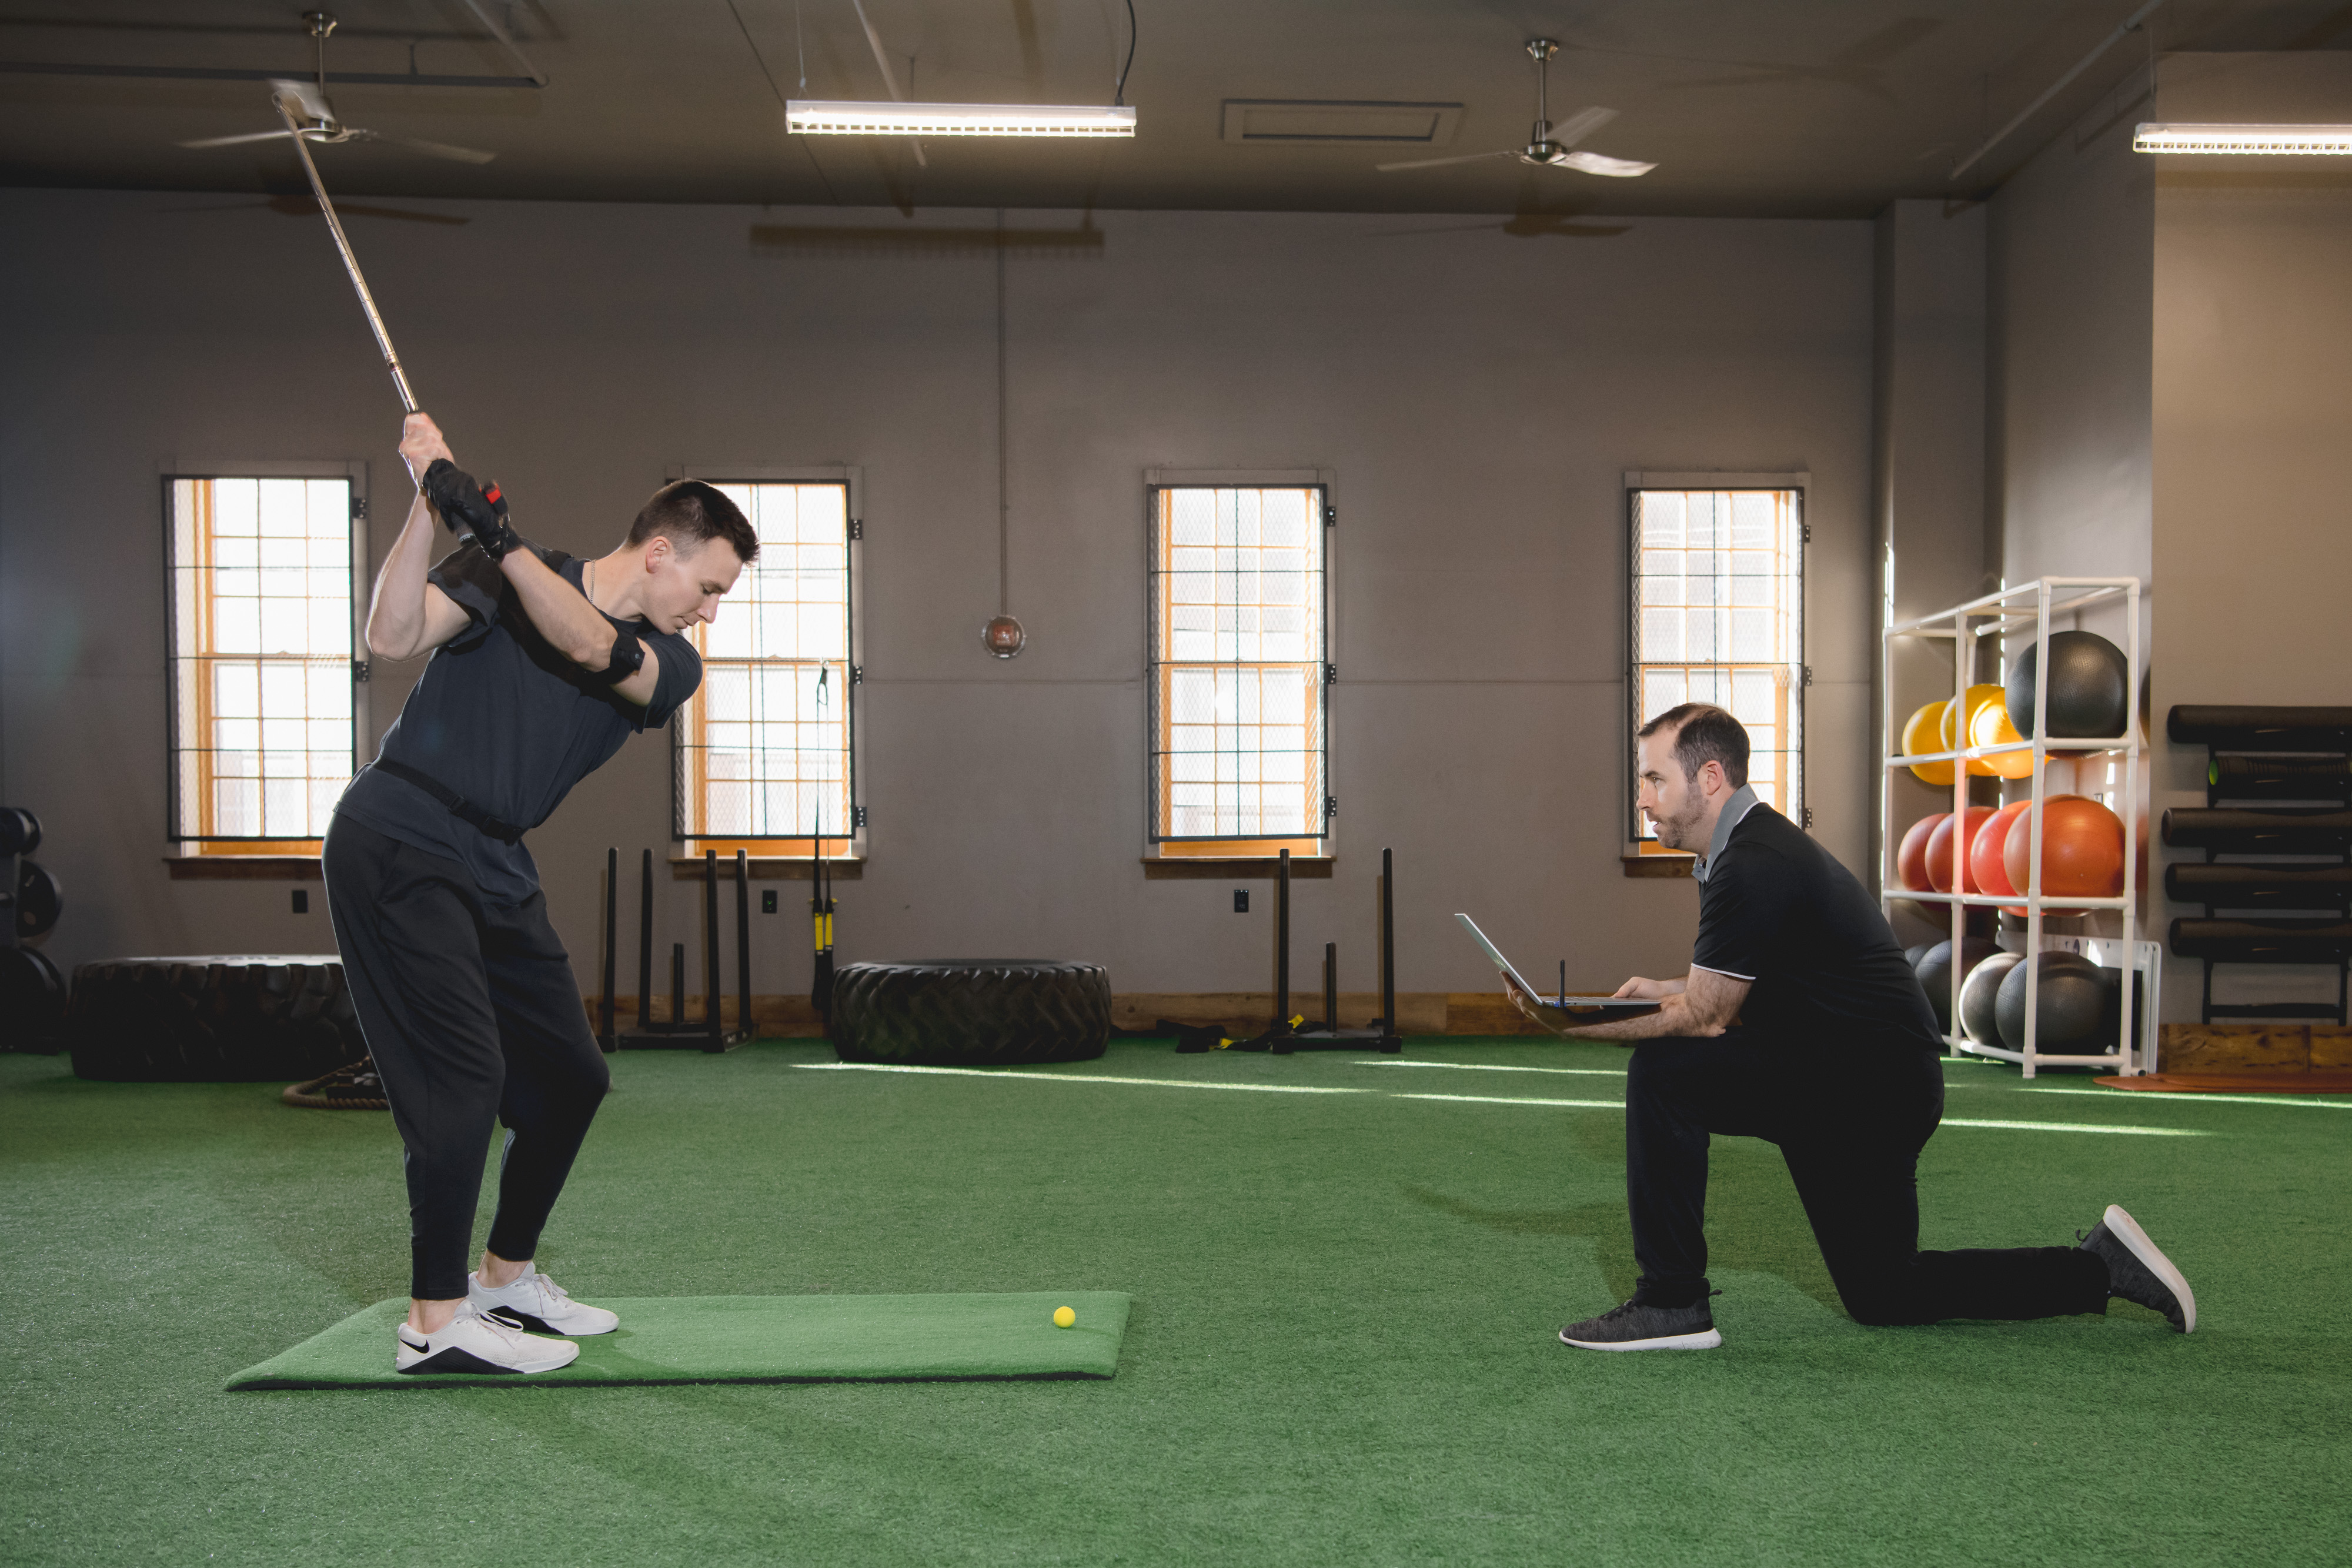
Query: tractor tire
x,y
235,1020
980,1012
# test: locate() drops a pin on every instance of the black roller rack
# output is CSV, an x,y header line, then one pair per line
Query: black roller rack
x,y
710,1034
1285,1037
2278,798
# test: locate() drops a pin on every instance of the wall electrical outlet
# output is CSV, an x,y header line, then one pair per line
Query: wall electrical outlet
x,y
1241,901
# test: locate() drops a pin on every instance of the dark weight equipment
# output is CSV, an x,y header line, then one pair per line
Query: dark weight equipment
x,y
1383,1037
20,830
39,900
711,1035
1912,956
32,1001
2090,687
1934,972
2072,1007
1979,994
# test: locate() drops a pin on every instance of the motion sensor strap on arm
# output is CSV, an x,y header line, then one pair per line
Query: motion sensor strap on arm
x,y
629,657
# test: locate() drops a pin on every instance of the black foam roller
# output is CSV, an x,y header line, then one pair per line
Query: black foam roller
x,y
2257,832
2262,729
2259,886
2264,941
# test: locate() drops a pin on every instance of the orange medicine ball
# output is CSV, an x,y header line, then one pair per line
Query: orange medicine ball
x,y
2082,850
1991,842
1911,858
1940,851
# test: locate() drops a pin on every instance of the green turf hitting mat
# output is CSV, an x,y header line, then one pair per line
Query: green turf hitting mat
x,y
756,1339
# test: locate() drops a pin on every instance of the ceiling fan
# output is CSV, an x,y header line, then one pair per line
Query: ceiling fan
x,y
1547,144
309,116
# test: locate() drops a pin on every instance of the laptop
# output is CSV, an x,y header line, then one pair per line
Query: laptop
x,y
1583,1009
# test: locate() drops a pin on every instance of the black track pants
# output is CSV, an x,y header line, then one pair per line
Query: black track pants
x,y
473,1017
1850,1121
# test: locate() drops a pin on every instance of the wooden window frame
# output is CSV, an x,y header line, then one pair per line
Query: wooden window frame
x,y
1310,847
1640,841
687,751
354,473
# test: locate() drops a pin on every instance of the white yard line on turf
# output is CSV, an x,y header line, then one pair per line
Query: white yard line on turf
x,y
2159,1097
1506,1100
2080,1127
1001,1072
1492,1067
1070,1077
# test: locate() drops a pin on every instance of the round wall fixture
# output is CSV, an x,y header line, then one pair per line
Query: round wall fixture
x,y
1002,636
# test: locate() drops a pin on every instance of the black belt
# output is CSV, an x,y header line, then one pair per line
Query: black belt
x,y
459,807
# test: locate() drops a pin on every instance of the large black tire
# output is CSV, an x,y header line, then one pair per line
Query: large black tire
x,y
983,1012
234,1019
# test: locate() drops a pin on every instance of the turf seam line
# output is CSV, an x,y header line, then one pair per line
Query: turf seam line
x,y
1002,1072
2142,1097
2082,1127
1493,1067
1509,1100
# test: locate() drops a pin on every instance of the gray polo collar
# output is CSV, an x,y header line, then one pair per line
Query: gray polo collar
x,y
1743,800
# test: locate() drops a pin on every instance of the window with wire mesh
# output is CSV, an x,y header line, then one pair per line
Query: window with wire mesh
x,y
1237,664
1718,617
764,750
261,669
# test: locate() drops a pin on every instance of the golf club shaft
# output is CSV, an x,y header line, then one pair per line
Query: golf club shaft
x,y
350,262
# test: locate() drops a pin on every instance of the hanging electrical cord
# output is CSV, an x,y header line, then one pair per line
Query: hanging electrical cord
x,y
1004,489
1119,92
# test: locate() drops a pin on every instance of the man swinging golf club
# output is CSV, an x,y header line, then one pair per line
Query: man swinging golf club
x,y
541,665
1800,1023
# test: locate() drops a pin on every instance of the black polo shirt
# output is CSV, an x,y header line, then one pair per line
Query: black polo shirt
x,y
1777,910
507,722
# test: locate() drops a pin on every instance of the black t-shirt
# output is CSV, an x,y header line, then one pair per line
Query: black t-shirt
x,y
1777,910
507,722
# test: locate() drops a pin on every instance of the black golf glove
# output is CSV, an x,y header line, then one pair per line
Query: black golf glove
x,y
470,513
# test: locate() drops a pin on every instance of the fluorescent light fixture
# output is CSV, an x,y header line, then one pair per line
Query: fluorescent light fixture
x,y
811,118
2157,136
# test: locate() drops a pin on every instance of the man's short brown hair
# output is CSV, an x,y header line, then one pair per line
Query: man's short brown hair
x,y
690,513
1704,732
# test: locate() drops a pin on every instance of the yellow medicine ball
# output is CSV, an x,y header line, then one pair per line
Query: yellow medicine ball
x,y
1924,733
1974,701
1990,726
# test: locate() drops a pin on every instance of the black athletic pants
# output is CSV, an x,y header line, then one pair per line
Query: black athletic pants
x,y
1850,1121
473,1017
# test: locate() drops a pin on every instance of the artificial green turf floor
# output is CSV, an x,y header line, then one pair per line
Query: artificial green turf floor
x,y
754,1339
1341,1351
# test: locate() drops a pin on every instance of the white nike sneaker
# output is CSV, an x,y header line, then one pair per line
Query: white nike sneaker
x,y
474,1342
539,1304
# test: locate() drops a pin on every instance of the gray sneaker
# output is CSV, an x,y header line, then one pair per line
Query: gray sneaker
x,y
2138,1272
1638,1326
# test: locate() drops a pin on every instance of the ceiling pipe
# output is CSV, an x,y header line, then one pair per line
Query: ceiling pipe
x,y
2109,42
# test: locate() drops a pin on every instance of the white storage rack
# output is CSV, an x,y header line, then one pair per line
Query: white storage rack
x,y
2031,604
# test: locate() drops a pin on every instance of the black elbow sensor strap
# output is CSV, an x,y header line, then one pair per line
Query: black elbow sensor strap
x,y
629,657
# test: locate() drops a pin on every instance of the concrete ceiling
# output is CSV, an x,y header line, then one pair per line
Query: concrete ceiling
x,y
1749,107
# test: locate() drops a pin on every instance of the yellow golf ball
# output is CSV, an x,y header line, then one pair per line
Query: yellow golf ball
x,y
1064,1317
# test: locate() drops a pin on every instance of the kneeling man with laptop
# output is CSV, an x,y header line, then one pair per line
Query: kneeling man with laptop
x,y
1800,1023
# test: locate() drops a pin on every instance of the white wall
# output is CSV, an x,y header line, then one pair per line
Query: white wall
x,y
1479,396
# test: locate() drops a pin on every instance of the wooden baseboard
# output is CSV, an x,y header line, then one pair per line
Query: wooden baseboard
x,y
1418,1012
2252,1047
